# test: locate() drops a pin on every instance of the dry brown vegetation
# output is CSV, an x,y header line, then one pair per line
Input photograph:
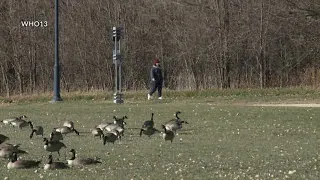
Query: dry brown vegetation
x,y
201,43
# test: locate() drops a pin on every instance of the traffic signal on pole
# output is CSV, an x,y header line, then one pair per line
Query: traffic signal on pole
x,y
116,33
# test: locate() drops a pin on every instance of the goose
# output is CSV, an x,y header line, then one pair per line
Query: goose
x,y
120,121
54,165
8,121
148,131
167,135
117,133
109,137
14,163
53,146
175,124
3,138
38,130
76,161
97,132
112,127
20,123
69,124
149,123
66,130
55,136
7,149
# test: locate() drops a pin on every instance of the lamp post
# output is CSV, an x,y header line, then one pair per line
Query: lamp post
x,y
117,61
56,80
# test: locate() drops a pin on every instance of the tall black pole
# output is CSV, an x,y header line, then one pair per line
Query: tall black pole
x,y
56,81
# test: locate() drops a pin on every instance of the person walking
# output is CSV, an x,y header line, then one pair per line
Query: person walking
x,y
156,79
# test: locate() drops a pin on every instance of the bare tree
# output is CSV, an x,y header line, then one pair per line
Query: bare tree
x,y
202,44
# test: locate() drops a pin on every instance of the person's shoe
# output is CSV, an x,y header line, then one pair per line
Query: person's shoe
x,y
149,97
160,97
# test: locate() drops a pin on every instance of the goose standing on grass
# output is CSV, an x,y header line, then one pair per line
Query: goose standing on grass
x,y
55,136
54,165
66,130
149,123
53,146
38,130
117,133
148,131
109,137
167,135
3,138
175,124
8,121
14,163
76,161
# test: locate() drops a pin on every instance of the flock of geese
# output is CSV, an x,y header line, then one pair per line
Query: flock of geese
x,y
107,132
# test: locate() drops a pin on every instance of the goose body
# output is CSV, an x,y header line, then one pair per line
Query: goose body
x,y
14,163
53,146
109,137
76,161
175,124
167,135
54,165
116,133
38,130
149,123
66,130
56,136
148,131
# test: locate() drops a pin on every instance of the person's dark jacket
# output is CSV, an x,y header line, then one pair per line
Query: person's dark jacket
x,y
156,74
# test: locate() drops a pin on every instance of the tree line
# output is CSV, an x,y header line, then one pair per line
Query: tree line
x,y
201,44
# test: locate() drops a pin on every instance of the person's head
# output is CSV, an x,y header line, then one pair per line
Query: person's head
x,y
156,62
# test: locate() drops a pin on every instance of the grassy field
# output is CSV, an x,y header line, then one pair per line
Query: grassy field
x,y
226,139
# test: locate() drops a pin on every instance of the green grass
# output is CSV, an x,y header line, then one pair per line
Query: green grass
x,y
224,140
